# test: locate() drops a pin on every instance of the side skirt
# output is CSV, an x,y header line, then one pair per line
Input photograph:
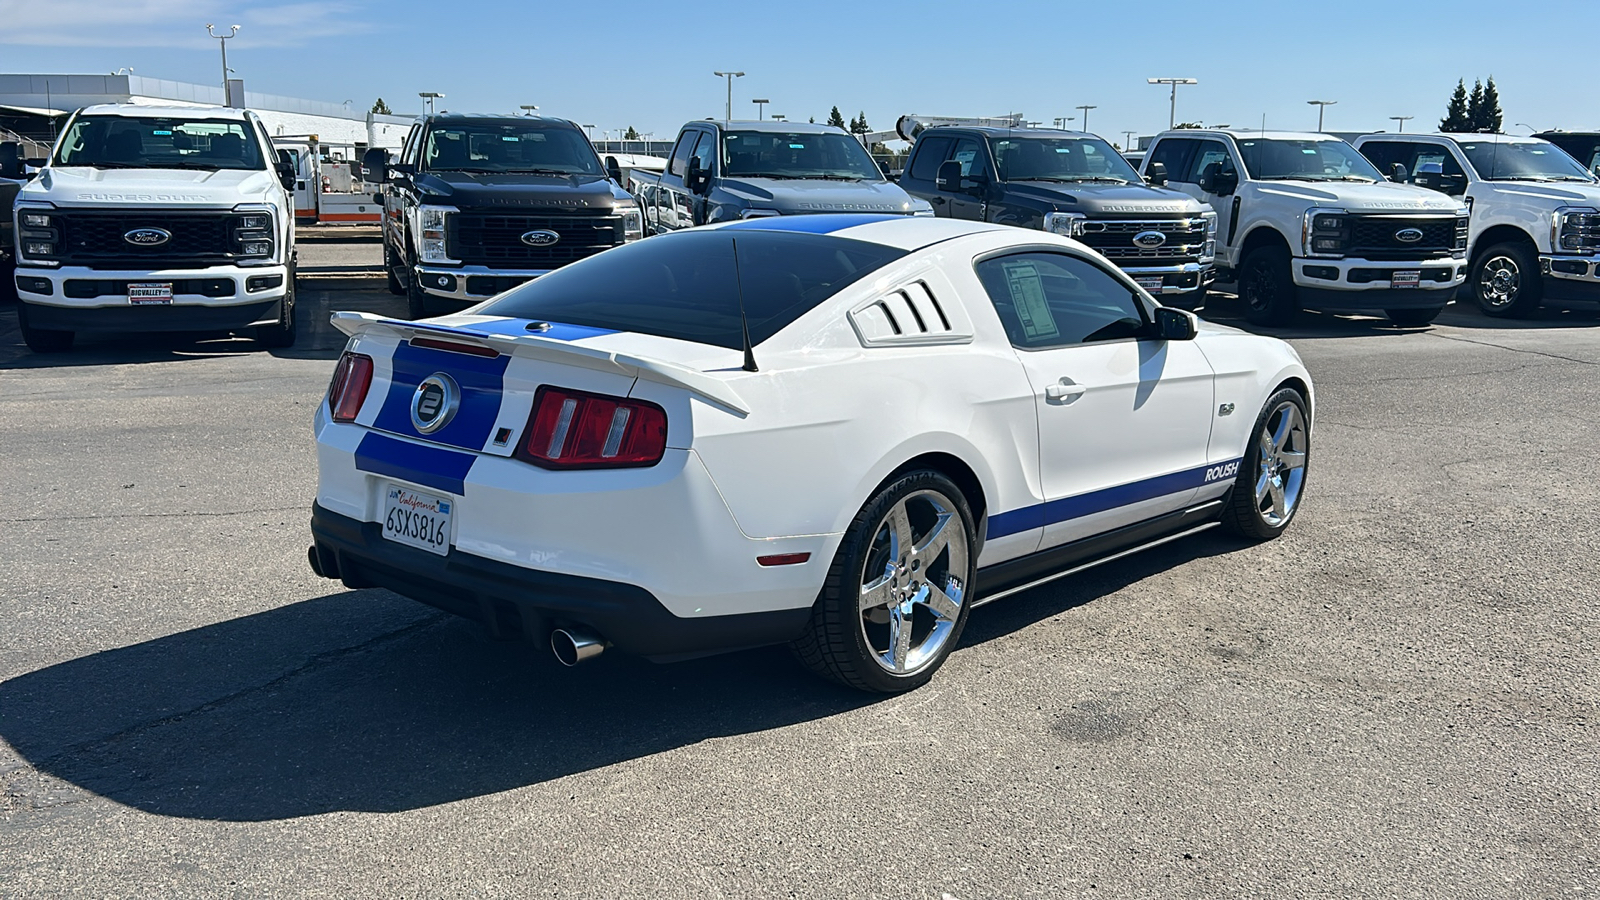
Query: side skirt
x,y
1017,575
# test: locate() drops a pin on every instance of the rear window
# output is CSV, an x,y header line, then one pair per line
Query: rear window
x,y
688,285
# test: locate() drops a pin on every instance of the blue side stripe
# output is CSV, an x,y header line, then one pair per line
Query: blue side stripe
x,y
1067,508
481,381
559,331
818,223
435,467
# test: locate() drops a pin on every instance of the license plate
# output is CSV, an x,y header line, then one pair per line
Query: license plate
x,y
1406,279
1151,283
149,294
418,520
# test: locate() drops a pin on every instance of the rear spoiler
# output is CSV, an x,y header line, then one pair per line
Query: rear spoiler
x,y
533,346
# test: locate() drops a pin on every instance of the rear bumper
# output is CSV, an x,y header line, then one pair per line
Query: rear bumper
x,y
512,600
177,317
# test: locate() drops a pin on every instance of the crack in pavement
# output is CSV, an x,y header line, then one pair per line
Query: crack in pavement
x,y
1465,340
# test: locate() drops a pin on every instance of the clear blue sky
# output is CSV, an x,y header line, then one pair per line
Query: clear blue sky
x,y
649,65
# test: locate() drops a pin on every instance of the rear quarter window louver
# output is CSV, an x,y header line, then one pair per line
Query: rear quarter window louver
x,y
912,313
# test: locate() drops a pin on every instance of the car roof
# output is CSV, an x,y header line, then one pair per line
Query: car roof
x,y
771,127
1245,134
1004,132
1453,136
164,112
496,119
890,230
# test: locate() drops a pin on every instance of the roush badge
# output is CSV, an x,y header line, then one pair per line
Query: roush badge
x,y
1149,239
540,238
1408,235
147,237
435,402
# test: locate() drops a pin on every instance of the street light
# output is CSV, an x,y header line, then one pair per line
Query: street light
x,y
1085,108
1172,114
223,39
1061,121
777,117
727,114
1127,140
527,109
429,97
590,129
1531,129
1402,120
1322,107
761,105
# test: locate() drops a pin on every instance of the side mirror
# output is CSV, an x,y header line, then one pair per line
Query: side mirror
x,y
1156,174
948,178
11,161
377,197
697,179
376,164
613,169
1175,324
286,175
1398,173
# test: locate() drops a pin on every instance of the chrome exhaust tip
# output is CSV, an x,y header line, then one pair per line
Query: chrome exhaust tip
x,y
574,645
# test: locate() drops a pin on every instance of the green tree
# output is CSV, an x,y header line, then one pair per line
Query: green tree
x,y
381,108
1455,116
1489,116
835,119
631,135
860,126
812,120
1189,125
1475,106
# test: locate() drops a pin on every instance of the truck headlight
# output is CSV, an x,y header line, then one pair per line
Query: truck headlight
x,y
1064,224
632,220
1325,232
35,220
433,233
1576,229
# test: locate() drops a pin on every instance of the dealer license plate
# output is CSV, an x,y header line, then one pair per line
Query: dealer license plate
x,y
149,294
1408,279
418,520
1151,283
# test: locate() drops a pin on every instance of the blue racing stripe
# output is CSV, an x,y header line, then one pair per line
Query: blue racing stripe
x,y
435,467
1065,509
819,223
559,331
481,381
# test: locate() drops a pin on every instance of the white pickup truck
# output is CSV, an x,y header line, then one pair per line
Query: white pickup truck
x,y
1306,222
157,219
1535,212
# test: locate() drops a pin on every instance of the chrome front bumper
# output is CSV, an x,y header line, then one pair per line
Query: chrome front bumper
x,y
454,283
1200,274
1571,268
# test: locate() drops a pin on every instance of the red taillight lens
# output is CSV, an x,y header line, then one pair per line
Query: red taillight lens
x,y
579,430
348,390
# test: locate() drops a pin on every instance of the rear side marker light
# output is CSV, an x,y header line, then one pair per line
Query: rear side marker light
x,y
455,347
348,390
572,429
783,559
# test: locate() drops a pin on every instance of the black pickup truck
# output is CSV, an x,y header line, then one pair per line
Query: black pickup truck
x,y
476,205
1070,183
720,171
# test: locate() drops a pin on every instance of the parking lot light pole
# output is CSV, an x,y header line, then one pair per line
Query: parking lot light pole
x,y
727,114
428,97
1172,113
1061,121
1402,120
223,39
1127,140
761,106
1322,107
527,109
590,130
1085,109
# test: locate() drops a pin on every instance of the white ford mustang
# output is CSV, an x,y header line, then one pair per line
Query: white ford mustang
x,y
841,432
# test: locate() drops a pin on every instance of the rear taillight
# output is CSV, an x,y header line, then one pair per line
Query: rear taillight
x,y
348,390
579,430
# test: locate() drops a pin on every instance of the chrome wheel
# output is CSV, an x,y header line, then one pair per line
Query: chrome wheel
x,y
1499,282
911,585
1281,471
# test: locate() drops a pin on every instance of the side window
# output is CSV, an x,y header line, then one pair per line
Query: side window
x,y
1384,154
1172,153
931,151
680,154
970,153
1434,166
704,150
1207,153
1055,300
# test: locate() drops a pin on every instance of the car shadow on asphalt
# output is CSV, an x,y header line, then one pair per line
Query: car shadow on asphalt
x,y
1226,309
365,701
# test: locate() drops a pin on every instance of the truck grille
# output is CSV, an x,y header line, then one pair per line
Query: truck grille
x,y
495,239
1373,237
1113,239
95,239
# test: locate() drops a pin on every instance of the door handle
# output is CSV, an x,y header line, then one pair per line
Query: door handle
x,y
1066,389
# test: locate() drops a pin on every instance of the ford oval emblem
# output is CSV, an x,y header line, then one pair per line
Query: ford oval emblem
x,y
540,238
1408,235
434,403
1149,239
147,237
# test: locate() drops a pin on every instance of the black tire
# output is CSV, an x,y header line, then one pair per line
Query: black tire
x,y
1190,301
8,283
1244,515
1505,280
41,340
280,335
418,304
1413,316
835,644
389,265
1266,286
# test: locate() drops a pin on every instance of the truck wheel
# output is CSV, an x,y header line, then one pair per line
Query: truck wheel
x,y
418,305
897,594
281,334
389,265
41,340
1505,280
8,283
1413,316
1272,477
1267,287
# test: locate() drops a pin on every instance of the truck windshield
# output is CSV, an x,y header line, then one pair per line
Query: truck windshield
x,y
765,154
688,286
129,142
1285,159
1061,159
509,146
1522,161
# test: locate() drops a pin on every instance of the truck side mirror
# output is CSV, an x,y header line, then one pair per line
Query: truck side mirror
x,y
11,161
613,169
285,175
1398,173
697,179
1156,174
376,164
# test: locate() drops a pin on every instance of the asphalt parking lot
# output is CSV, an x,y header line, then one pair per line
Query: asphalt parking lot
x,y
1400,698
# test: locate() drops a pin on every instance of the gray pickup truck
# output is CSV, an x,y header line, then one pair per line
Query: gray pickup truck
x,y
721,171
